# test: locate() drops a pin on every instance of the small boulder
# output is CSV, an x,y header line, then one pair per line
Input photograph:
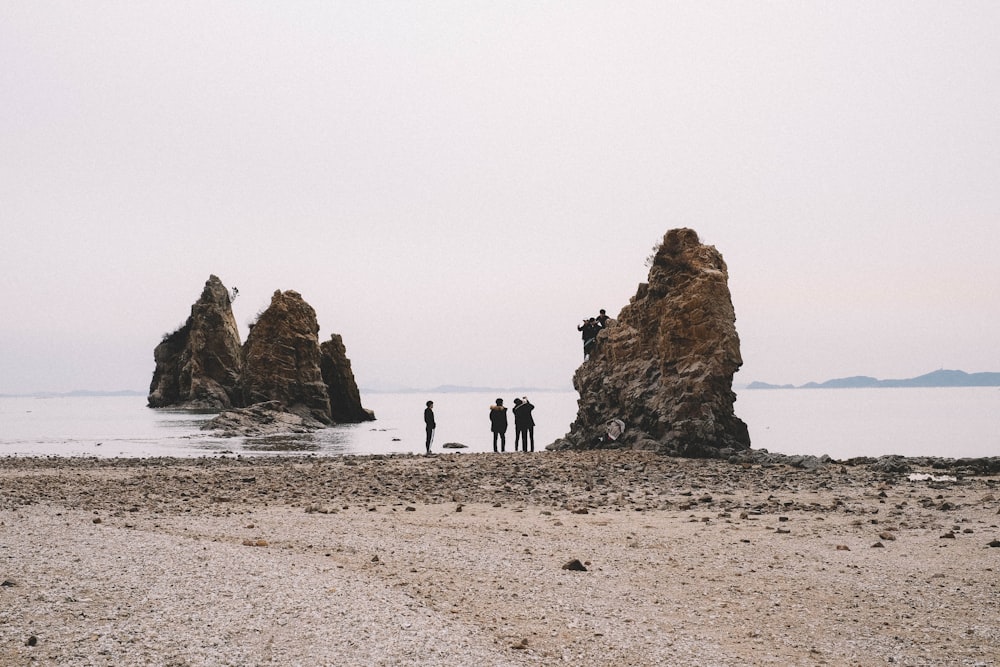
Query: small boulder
x,y
575,566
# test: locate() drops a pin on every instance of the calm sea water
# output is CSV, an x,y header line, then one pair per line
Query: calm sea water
x,y
953,422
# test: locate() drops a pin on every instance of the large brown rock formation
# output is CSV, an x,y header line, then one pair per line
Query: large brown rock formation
x,y
345,399
203,365
281,358
199,365
665,367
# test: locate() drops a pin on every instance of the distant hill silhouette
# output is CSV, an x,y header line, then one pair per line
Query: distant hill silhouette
x,y
939,378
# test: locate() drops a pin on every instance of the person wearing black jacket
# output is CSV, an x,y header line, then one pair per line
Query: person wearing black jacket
x,y
498,424
590,329
524,424
429,423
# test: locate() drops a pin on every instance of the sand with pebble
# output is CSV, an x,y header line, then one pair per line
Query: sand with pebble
x,y
551,558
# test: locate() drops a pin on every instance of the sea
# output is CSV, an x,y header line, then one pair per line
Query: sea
x,y
953,422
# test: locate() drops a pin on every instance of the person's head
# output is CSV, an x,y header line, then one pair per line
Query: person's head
x,y
499,401
430,404
592,319
602,312
517,401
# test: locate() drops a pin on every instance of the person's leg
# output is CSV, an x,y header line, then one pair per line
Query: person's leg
x,y
495,434
430,436
503,442
531,433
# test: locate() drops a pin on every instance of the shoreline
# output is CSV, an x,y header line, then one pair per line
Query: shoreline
x,y
452,559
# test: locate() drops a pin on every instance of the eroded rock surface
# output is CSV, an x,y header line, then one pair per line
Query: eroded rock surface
x,y
665,367
345,399
281,359
281,365
199,365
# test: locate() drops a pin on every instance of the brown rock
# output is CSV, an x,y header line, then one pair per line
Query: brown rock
x,y
281,367
665,367
199,365
281,359
345,399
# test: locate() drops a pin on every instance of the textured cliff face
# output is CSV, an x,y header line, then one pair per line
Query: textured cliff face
x,y
281,358
203,365
199,365
665,367
345,399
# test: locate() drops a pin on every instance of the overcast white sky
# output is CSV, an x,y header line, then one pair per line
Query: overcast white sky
x,y
453,186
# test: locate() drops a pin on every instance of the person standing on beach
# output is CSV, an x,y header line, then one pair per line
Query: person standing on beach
x,y
429,424
524,423
498,424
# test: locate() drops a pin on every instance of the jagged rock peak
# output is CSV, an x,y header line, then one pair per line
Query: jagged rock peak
x,y
199,365
345,399
664,369
281,358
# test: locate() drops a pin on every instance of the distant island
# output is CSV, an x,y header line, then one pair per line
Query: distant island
x,y
939,378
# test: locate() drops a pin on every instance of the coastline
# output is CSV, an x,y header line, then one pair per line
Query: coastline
x,y
458,558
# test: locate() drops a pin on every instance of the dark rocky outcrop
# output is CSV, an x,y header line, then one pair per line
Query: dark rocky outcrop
x,y
665,367
281,359
199,365
282,365
345,399
261,419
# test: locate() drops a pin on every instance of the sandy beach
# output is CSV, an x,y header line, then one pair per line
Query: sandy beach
x,y
598,558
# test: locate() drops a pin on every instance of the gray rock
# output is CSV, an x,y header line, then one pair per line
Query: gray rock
x,y
268,418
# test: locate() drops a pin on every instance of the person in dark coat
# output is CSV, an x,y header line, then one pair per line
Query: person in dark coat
x,y
429,423
498,424
590,329
524,424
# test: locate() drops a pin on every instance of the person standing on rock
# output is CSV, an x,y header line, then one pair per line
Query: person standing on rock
x,y
498,424
590,328
602,319
429,424
524,423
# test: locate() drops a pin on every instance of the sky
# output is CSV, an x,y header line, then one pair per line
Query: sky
x,y
454,186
